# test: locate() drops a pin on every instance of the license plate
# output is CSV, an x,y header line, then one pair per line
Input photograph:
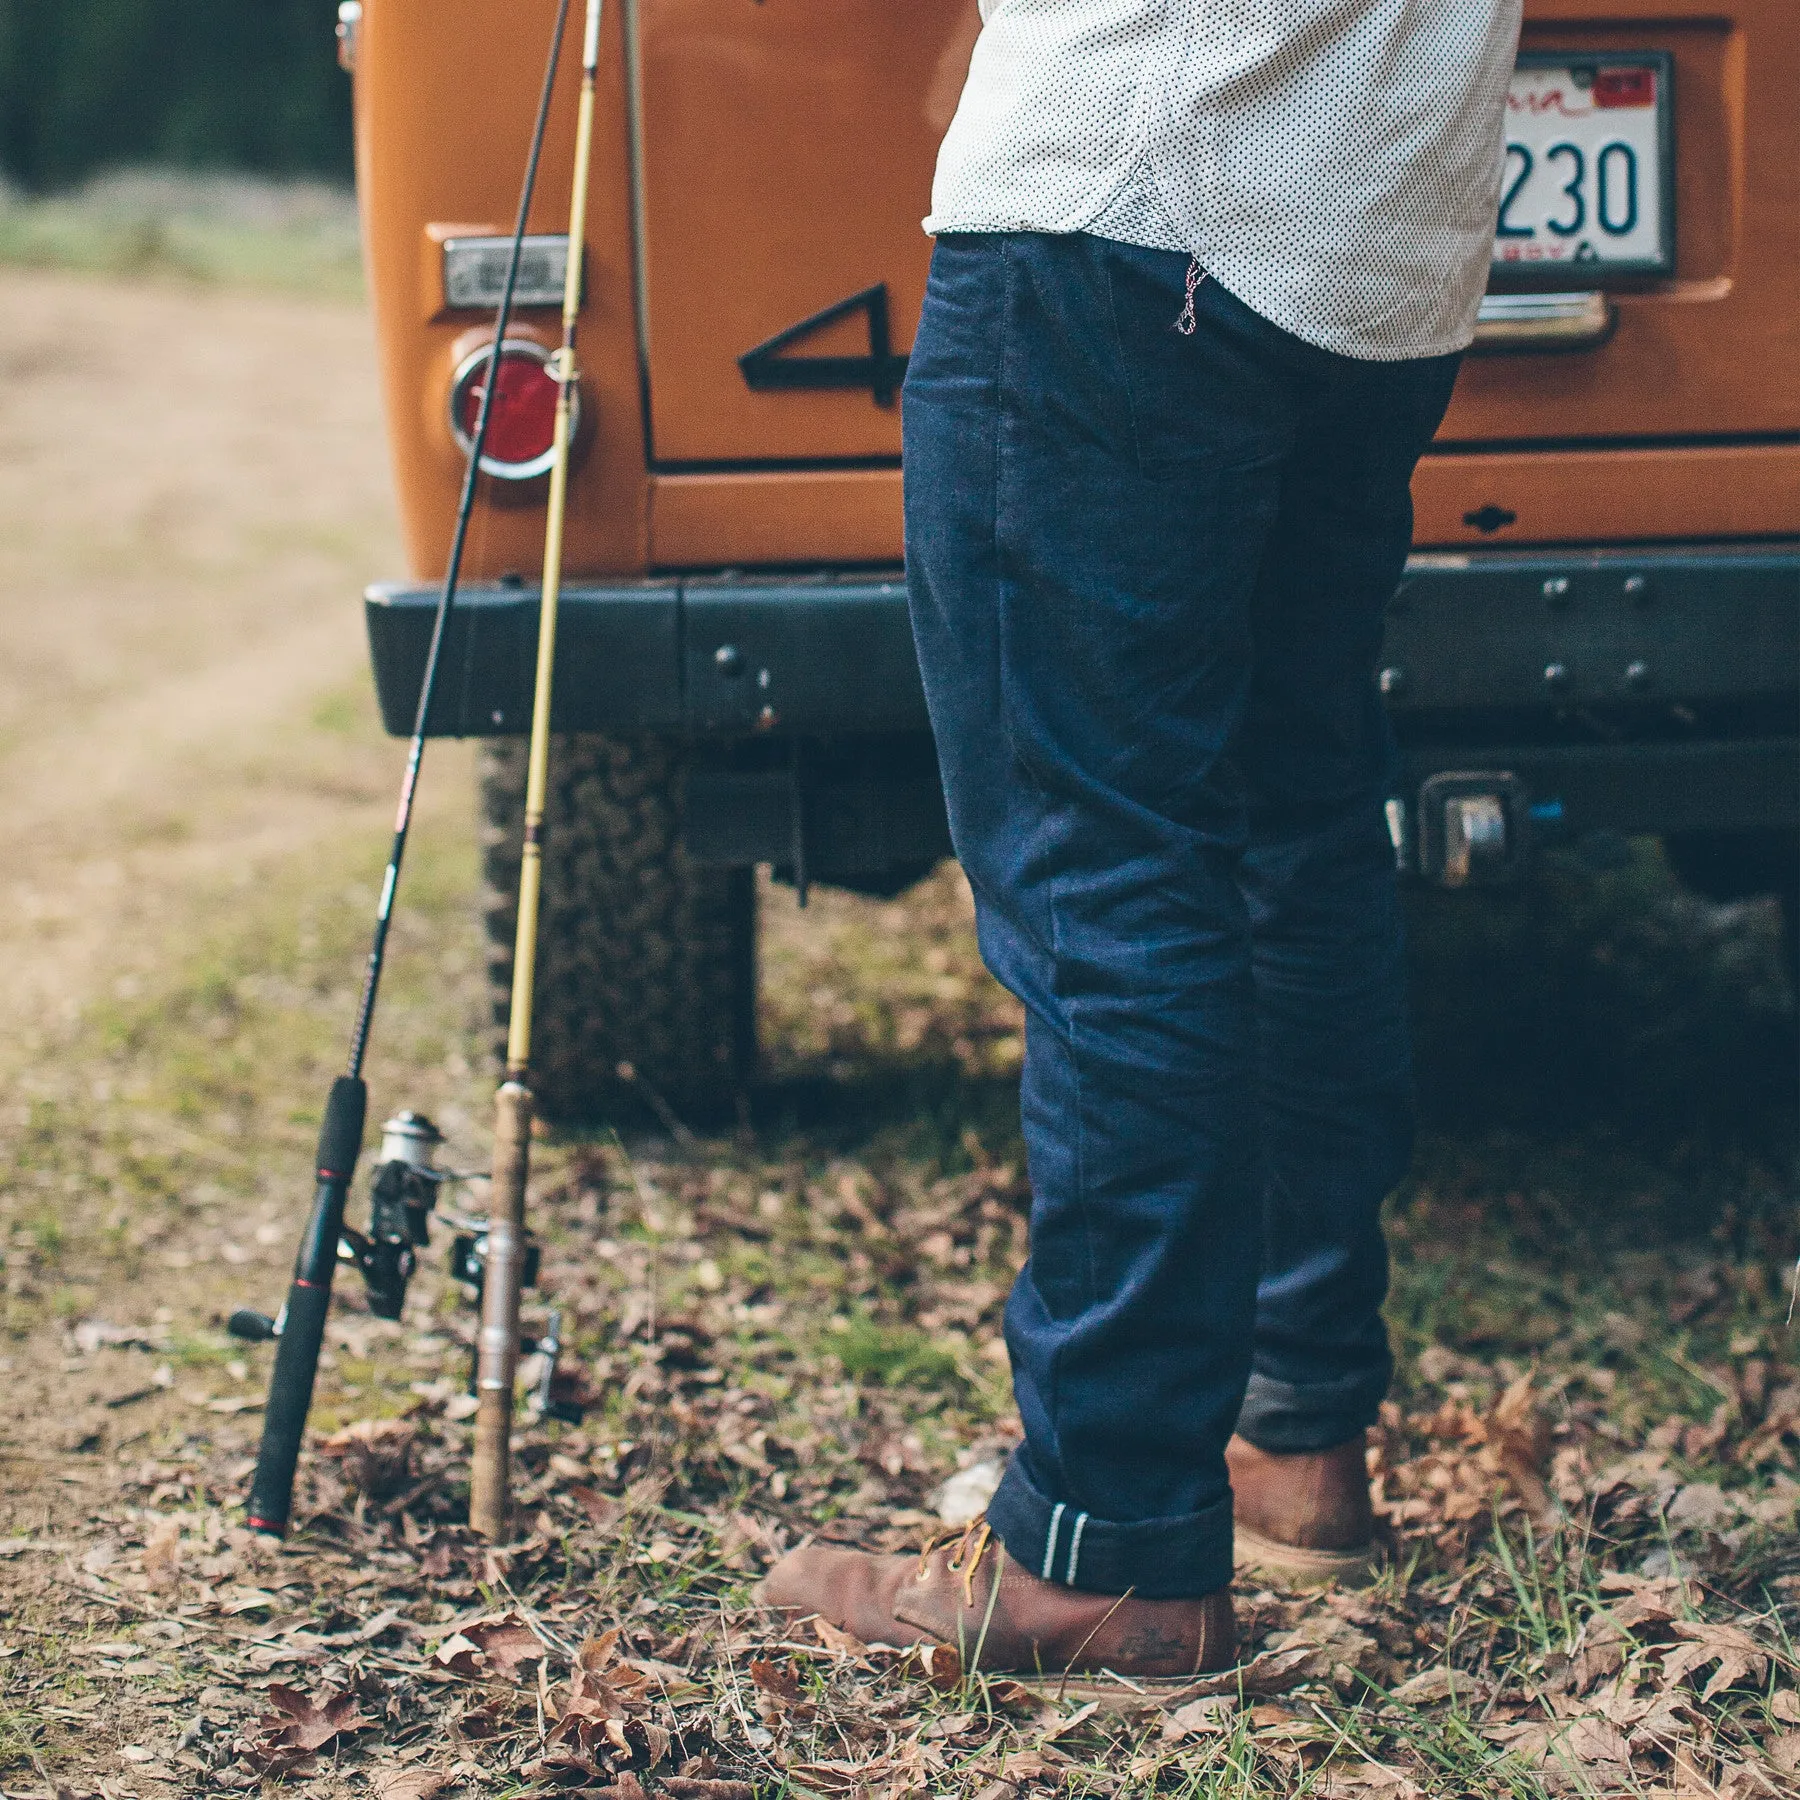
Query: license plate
x,y
1589,185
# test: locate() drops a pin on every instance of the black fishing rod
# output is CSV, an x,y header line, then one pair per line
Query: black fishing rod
x,y
300,1328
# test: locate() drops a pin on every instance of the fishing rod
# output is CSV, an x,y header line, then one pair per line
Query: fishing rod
x,y
384,1257
497,1356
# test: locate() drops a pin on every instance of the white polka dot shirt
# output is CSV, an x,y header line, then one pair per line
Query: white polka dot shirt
x,y
1334,163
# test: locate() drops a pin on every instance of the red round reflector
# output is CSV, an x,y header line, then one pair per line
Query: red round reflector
x,y
522,428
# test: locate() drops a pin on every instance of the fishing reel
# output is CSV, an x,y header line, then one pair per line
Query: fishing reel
x,y
403,1196
468,1264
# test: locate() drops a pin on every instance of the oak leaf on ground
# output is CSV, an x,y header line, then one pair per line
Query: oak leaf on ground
x,y
1736,1653
300,1725
409,1784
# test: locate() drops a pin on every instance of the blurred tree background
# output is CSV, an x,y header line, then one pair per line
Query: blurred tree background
x,y
87,85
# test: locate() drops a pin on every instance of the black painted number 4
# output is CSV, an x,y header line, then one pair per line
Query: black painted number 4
x,y
770,368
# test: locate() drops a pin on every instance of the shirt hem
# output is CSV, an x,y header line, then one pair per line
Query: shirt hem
x,y
1337,343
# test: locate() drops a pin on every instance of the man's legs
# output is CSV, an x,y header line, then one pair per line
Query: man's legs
x,y
1089,498
1334,1058
1146,614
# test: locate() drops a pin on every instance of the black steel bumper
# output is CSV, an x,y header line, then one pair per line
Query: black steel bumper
x,y
1644,691
716,659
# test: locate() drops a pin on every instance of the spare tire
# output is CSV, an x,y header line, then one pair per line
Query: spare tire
x,y
646,971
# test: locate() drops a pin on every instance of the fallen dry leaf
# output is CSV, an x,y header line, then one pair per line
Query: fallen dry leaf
x,y
1601,1654
938,1663
602,1512
627,1787
409,1784
1520,1436
1530,1740
1367,1781
1430,1686
1667,1721
301,1725
507,1643
460,1655
1199,1718
375,1455
773,1679
1650,1605
1032,1765
1594,1740
1272,1672
162,1553
1073,1722
841,1643
1751,1781
1736,1653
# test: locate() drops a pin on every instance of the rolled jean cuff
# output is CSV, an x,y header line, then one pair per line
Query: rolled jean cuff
x,y
1284,1418
1152,1559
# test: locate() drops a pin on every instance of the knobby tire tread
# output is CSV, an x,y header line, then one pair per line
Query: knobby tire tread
x,y
644,956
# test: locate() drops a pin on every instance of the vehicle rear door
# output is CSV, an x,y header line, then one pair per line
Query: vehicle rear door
x,y
786,152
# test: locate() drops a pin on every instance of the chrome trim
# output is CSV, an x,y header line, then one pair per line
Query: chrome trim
x,y
466,371
349,21
1580,321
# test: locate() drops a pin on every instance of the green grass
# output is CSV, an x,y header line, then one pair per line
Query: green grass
x,y
298,237
891,1355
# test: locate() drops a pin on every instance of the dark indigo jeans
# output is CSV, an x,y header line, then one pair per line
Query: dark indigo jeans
x,y
1148,572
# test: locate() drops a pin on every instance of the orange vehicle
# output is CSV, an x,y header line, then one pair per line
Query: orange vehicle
x,y
1600,627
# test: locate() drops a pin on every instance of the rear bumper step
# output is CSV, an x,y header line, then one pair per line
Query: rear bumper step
x,y
1640,691
706,658
1498,630
1554,630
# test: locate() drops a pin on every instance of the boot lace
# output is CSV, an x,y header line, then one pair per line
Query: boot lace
x,y
971,1546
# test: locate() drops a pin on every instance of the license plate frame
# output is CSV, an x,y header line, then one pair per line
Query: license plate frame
x,y
1549,256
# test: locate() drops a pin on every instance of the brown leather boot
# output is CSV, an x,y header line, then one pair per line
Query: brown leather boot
x,y
972,1596
1304,1520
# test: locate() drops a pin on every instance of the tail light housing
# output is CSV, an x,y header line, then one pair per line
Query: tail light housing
x,y
521,439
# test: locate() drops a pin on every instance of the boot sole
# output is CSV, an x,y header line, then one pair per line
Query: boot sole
x,y
1296,1566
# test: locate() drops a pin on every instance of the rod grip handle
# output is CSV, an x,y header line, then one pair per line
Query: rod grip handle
x,y
290,1400
341,1131
309,1299
490,1465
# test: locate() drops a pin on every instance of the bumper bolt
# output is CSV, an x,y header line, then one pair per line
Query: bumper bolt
x,y
1637,589
1556,677
1637,676
1556,590
1392,681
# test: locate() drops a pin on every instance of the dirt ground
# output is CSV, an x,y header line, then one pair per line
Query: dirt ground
x,y
1586,1471
192,487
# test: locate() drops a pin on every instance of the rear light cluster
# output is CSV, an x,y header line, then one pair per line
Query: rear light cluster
x,y
522,430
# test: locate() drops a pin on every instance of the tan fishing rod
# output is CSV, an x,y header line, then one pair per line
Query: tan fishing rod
x,y
497,1361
